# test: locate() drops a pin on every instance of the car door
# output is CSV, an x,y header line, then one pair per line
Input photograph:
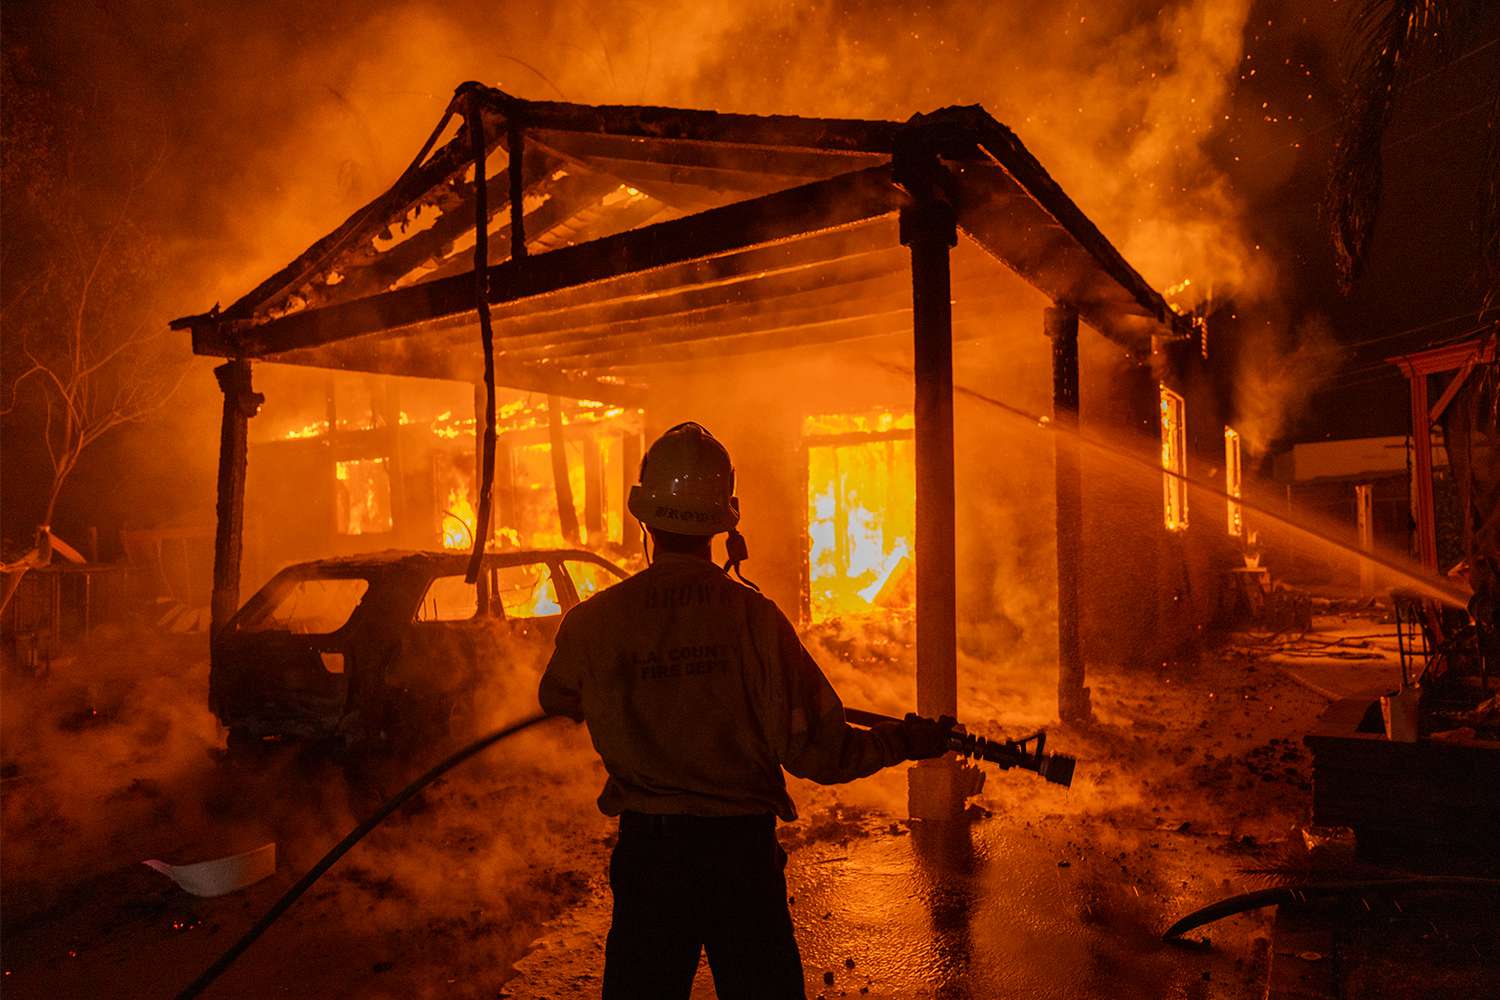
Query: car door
x,y
452,641
280,668
531,596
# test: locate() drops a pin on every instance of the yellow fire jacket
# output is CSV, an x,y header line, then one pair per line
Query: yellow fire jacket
x,y
697,692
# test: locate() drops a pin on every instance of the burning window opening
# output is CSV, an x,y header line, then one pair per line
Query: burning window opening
x,y
526,512
527,591
537,522
861,515
364,497
458,519
1232,482
1174,460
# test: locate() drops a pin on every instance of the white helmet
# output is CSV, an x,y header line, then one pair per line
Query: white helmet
x,y
687,484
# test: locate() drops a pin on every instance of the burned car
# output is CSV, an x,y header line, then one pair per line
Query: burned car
x,y
386,646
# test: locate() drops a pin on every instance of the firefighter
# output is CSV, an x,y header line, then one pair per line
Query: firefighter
x,y
697,692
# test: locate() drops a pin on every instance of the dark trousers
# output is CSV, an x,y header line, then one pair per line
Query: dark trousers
x,y
686,884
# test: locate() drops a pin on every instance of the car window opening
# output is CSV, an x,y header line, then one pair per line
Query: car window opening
x,y
311,606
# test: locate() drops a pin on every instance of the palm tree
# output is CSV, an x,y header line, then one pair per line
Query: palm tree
x,y
1387,37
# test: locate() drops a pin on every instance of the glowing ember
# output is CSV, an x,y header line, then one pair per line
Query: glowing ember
x,y
315,429
444,425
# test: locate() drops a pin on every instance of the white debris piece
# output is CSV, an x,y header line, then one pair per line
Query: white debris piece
x,y
215,878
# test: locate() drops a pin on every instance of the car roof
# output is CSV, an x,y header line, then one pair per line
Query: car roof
x,y
435,562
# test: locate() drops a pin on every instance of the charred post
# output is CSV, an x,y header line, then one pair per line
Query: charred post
x,y
480,398
929,229
567,513
1061,326
516,144
240,404
1423,501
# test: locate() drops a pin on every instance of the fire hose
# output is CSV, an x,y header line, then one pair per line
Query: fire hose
x,y
314,873
1024,753
1306,893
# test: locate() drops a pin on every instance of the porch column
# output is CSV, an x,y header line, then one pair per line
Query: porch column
x,y
928,228
1424,507
480,397
240,404
1061,326
1364,519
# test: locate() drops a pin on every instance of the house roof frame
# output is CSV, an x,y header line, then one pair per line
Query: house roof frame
x,y
848,182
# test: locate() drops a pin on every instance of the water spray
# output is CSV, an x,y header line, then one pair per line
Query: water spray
x,y
1437,589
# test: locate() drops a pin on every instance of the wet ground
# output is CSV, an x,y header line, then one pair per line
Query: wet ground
x,y
988,909
1190,787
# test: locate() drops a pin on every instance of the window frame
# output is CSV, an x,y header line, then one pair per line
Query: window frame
x,y
1174,458
1234,482
273,593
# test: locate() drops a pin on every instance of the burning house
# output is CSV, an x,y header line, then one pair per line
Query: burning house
x,y
898,327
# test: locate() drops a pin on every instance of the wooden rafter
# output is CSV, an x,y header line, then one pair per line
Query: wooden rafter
x,y
567,198
698,283
837,202
792,165
416,185
736,322
816,326
463,366
776,247
786,132
763,294
435,243
839,291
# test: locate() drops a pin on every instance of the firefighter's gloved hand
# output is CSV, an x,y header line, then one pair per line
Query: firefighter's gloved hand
x,y
926,739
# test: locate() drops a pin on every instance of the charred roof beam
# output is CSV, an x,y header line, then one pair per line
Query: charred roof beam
x,y
416,185
845,200
463,366
786,132
569,197
838,294
435,244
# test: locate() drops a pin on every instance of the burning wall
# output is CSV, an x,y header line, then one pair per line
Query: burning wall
x,y
399,471
822,442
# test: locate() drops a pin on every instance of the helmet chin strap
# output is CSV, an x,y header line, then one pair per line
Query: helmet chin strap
x,y
738,552
734,546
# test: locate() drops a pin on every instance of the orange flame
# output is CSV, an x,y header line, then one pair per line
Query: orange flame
x,y
458,520
860,518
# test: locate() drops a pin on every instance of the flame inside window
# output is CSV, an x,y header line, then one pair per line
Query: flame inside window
x,y
861,513
364,497
458,519
1174,460
1232,482
538,524
527,590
